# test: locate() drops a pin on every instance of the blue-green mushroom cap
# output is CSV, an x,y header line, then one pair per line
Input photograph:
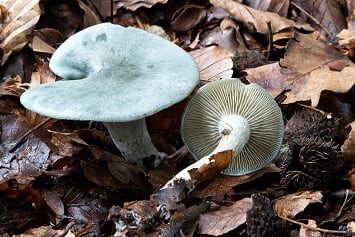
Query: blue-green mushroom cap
x,y
112,73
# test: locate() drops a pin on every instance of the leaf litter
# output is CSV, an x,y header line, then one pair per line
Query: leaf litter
x,y
66,178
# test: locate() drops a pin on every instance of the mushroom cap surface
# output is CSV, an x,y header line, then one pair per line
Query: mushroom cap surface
x,y
112,73
213,101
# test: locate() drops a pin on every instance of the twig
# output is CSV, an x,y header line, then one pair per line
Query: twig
x,y
312,18
327,115
270,38
66,230
28,133
316,228
346,199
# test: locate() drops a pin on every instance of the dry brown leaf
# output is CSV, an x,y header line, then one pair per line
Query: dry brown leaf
x,y
225,219
305,232
348,148
308,70
327,14
227,36
45,231
271,77
41,76
135,4
252,18
38,45
346,38
214,63
223,184
187,17
28,159
309,87
22,18
276,6
12,86
90,16
290,205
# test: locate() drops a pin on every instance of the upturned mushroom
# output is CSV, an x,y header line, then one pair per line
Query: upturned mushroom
x,y
229,115
118,76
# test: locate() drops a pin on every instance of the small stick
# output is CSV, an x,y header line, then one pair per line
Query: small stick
x,y
316,228
270,38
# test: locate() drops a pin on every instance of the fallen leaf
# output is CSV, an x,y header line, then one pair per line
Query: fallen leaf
x,y
305,71
328,17
214,63
22,18
67,143
90,16
55,204
225,219
305,232
45,231
346,38
276,6
12,86
290,205
41,76
186,17
22,159
348,148
135,4
227,36
254,20
223,184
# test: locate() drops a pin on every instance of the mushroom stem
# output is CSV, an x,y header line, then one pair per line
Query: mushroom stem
x,y
235,132
133,141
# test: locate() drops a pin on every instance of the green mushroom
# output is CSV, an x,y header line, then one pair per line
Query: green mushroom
x,y
118,76
229,115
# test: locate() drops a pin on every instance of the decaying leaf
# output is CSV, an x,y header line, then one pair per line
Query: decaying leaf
x,y
327,16
348,148
214,63
135,4
45,231
223,184
90,16
67,143
225,219
305,232
309,67
310,59
276,6
21,159
187,17
12,86
227,35
41,76
22,18
346,38
252,18
290,205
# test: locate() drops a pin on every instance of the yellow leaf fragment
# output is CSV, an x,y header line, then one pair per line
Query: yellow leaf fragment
x,y
290,205
21,19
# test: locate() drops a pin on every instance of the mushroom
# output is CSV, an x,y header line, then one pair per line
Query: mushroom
x,y
118,76
229,115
